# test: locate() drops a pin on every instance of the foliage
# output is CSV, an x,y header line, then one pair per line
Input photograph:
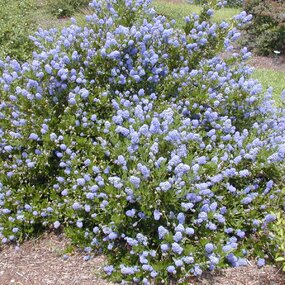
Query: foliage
x,y
142,143
15,26
278,239
65,8
267,30
235,3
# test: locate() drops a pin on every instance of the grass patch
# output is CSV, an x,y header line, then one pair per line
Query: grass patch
x,y
171,10
46,20
275,79
65,8
180,9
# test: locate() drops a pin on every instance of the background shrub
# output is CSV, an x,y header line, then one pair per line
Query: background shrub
x,y
66,8
235,3
16,25
142,143
266,33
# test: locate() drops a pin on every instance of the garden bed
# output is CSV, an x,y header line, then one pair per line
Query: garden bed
x,y
43,261
101,137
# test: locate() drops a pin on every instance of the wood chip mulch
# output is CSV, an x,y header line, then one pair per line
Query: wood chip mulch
x,y
41,262
245,275
276,63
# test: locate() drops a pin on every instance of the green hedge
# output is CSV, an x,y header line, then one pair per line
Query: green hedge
x,y
267,31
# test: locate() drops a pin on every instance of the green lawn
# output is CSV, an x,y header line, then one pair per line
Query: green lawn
x,y
179,10
275,79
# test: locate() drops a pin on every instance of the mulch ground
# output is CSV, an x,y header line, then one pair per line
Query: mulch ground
x,y
41,262
276,63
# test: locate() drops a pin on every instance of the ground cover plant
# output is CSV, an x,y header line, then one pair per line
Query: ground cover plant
x,y
16,25
141,142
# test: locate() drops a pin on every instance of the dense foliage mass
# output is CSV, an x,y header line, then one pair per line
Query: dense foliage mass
x,y
266,33
16,25
142,143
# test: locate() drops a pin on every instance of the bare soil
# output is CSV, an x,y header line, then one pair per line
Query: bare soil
x,y
245,275
41,262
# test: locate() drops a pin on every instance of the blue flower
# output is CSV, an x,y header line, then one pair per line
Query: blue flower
x,y
156,215
260,262
177,237
131,213
181,169
197,270
81,181
181,218
114,54
144,170
56,224
164,247
162,232
76,206
33,136
176,248
109,269
209,247
227,248
171,269
135,181
270,218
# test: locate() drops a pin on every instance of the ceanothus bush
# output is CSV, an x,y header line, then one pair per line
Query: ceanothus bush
x,y
147,143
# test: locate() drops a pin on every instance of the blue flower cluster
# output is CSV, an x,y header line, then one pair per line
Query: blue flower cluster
x,y
141,141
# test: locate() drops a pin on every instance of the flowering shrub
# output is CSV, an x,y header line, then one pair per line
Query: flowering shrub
x,y
142,143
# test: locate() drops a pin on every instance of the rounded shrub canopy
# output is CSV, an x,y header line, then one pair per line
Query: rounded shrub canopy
x,y
150,144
